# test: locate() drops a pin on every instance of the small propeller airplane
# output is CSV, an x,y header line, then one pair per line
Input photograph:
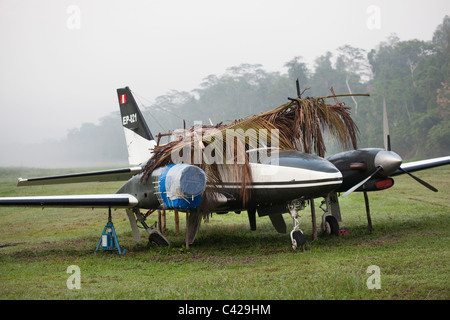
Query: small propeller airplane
x,y
277,188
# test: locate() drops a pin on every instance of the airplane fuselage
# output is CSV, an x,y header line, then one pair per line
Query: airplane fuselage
x,y
291,175
295,175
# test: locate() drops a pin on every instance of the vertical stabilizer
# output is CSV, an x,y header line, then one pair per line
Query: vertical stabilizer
x,y
140,141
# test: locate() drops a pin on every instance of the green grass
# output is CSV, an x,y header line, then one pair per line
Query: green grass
x,y
410,245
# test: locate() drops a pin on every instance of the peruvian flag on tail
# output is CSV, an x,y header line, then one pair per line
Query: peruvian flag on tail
x,y
123,98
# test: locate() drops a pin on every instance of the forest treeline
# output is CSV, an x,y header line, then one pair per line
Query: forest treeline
x,y
412,77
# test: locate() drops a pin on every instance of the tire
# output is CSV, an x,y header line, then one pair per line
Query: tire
x,y
299,238
158,239
331,225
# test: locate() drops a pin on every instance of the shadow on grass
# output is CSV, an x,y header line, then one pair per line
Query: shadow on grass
x,y
236,241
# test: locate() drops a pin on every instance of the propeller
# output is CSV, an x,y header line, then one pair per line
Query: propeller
x,y
387,139
429,186
387,160
360,183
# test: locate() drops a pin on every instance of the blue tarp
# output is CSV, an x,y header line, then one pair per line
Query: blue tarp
x,y
181,186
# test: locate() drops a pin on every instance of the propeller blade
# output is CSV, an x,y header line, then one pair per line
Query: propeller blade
x,y
387,139
360,184
429,186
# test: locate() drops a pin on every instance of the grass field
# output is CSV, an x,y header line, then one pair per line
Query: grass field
x,y
409,246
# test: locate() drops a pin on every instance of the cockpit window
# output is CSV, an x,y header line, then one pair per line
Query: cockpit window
x,y
297,159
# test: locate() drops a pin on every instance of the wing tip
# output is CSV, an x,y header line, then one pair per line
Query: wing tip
x,y
21,181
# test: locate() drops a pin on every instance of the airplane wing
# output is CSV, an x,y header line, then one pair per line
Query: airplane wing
x,y
421,165
72,201
94,176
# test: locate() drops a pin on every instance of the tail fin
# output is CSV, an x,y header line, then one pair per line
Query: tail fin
x,y
140,141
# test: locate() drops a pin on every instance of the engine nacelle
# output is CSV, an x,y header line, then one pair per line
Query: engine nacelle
x,y
376,184
356,165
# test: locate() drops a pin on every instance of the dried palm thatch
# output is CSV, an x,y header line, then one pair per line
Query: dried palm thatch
x,y
297,125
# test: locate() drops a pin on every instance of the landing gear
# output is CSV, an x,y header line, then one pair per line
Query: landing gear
x,y
330,226
331,215
297,237
154,235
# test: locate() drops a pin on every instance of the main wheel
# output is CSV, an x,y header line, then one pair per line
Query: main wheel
x,y
331,225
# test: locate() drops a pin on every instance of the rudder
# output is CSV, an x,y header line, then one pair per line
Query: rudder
x,y
140,141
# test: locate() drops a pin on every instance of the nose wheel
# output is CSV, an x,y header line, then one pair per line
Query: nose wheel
x,y
156,237
297,239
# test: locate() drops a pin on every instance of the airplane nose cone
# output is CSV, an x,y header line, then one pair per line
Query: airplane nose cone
x,y
389,161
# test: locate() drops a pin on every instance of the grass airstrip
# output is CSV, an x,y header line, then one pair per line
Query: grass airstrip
x,y
405,257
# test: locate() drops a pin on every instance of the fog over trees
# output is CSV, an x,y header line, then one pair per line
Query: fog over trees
x,y
411,76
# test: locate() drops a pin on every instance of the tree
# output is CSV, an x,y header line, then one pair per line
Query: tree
x,y
441,36
414,51
298,70
353,62
439,135
325,77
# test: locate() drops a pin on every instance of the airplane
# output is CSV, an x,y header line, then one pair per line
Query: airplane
x,y
279,185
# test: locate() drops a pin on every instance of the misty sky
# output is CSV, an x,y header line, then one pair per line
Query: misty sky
x,y
61,61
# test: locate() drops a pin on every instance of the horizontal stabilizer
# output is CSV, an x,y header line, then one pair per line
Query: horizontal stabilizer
x,y
73,201
95,176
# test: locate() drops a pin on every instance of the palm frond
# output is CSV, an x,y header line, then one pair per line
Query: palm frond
x,y
297,125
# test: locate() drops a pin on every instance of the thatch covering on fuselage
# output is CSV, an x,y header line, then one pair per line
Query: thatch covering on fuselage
x,y
297,125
